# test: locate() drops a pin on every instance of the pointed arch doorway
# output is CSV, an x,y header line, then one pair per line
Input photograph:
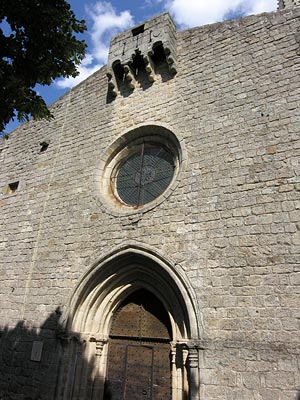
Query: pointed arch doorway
x,y
139,365
132,331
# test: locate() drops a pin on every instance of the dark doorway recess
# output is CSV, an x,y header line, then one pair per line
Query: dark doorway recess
x,y
139,350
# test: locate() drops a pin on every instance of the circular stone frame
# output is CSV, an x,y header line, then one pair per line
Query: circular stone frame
x,y
105,191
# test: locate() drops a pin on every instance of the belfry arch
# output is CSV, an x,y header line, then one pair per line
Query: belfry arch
x,y
108,285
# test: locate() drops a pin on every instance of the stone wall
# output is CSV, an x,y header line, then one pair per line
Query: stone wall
x,y
232,223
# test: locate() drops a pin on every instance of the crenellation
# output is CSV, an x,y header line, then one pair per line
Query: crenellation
x,y
141,49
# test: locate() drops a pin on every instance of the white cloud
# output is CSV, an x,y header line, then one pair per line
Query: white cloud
x,y
151,3
85,69
263,6
189,13
106,22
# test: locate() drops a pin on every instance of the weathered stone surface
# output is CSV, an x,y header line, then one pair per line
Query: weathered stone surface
x,y
232,223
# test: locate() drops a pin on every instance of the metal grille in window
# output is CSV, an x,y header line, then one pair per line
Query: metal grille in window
x,y
144,175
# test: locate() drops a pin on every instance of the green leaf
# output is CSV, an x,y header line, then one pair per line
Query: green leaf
x,y
41,47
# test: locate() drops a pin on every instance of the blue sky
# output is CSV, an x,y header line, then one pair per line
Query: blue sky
x,y
106,18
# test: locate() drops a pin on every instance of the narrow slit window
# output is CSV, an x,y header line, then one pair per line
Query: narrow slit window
x,y
12,187
44,147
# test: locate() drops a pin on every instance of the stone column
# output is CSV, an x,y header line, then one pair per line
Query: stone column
x,y
193,363
98,372
184,372
174,371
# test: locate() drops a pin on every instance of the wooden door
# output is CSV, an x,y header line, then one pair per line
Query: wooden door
x,y
139,351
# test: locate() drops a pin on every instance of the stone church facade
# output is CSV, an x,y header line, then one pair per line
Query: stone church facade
x,y
150,233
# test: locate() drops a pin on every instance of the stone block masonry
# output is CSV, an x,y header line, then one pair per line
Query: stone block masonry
x,y
229,227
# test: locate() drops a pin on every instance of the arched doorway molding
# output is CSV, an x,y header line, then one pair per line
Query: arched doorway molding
x,y
107,283
113,276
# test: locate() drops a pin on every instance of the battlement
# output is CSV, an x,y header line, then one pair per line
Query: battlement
x,y
141,49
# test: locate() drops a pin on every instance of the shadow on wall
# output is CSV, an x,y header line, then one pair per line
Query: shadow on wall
x,y
30,360
34,364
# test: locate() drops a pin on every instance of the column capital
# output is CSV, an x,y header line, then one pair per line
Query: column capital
x,y
193,357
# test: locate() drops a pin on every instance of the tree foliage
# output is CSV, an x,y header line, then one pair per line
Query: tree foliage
x,y
38,44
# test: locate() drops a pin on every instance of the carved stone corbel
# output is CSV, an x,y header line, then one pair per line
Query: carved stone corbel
x,y
111,83
129,77
149,68
141,41
282,4
100,342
